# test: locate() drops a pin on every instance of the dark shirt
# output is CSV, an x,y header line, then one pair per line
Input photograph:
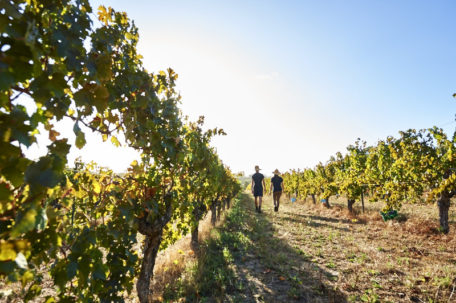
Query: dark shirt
x,y
257,179
277,183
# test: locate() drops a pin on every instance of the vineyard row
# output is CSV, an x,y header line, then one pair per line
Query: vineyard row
x,y
83,226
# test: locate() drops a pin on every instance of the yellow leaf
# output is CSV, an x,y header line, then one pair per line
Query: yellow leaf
x,y
79,194
96,187
102,14
7,251
115,141
129,36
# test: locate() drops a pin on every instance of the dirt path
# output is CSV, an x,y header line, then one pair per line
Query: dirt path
x,y
272,270
249,259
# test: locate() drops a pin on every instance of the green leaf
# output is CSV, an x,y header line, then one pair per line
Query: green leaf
x,y
100,99
44,173
27,277
80,140
83,97
60,276
4,99
57,85
72,268
60,148
99,271
5,193
17,59
6,267
41,219
25,221
11,10
104,66
84,268
40,89
33,292
49,299
80,136
6,80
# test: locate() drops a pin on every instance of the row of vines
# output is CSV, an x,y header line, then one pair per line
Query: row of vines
x,y
418,166
81,224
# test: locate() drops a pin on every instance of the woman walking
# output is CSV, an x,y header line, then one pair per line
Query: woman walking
x,y
276,189
257,188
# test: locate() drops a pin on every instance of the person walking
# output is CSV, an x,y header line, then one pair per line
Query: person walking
x,y
276,189
257,188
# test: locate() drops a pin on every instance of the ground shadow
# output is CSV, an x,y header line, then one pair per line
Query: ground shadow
x,y
314,223
327,219
244,262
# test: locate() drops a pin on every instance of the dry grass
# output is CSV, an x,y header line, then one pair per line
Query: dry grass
x,y
376,261
171,263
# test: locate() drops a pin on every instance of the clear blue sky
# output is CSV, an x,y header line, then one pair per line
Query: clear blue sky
x,y
293,82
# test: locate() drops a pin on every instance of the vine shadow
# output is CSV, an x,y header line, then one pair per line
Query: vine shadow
x,y
244,262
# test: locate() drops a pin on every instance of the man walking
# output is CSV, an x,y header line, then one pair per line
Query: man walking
x,y
276,189
257,188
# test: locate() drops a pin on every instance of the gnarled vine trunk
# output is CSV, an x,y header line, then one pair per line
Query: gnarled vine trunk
x,y
152,244
198,212
327,203
350,203
313,199
213,212
219,210
153,232
195,233
444,205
